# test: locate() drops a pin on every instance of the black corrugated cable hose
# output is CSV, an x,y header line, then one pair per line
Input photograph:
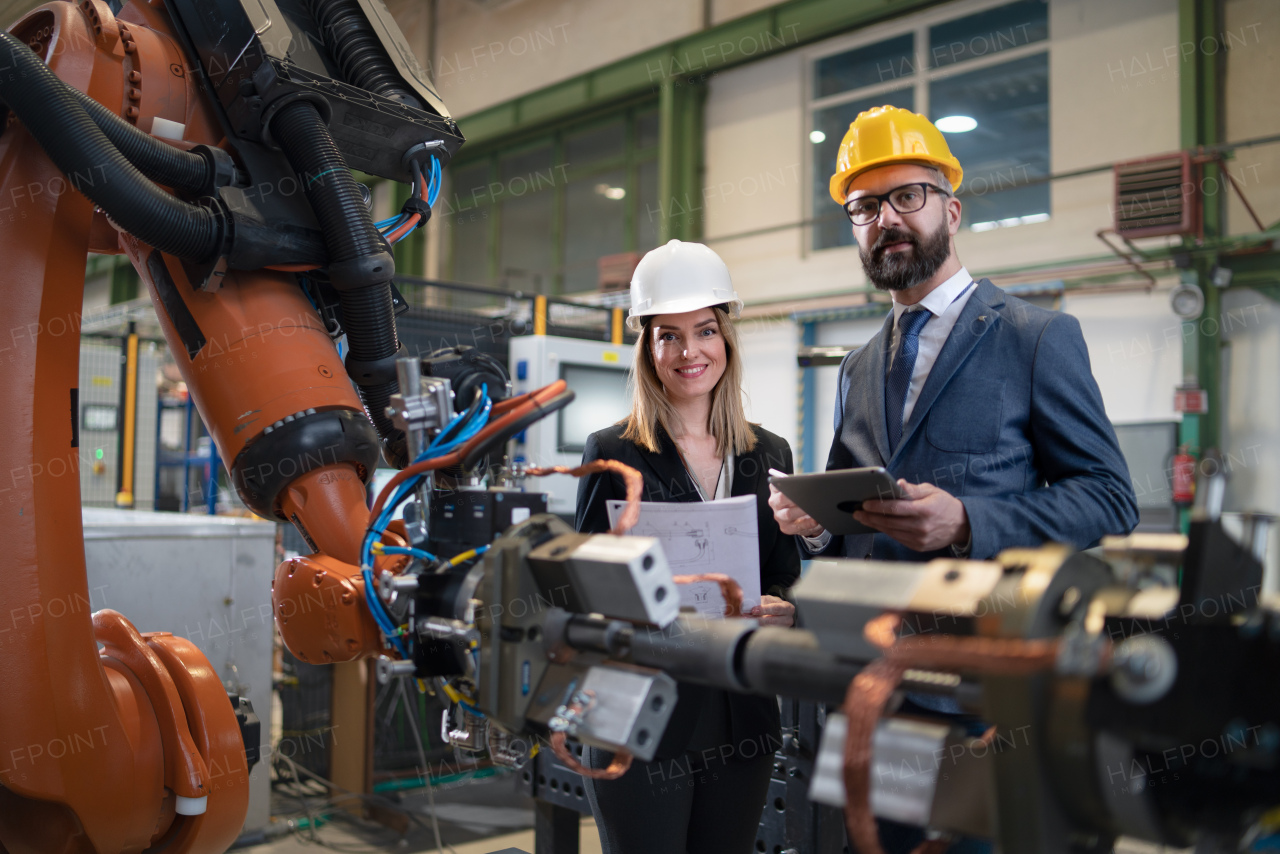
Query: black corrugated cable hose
x,y
161,162
367,312
94,166
359,51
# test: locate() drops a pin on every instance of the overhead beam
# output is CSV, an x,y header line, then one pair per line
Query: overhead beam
x,y
745,39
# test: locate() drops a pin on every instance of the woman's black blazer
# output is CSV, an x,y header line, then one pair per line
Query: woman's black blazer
x,y
665,479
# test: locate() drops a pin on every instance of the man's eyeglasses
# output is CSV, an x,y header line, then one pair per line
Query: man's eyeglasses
x,y
906,199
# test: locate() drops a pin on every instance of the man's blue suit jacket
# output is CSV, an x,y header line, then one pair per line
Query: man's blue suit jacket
x,y
1010,421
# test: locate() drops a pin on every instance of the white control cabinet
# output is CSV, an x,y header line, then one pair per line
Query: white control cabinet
x,y
596,371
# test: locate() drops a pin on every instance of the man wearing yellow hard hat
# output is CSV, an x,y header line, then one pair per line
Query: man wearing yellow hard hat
x,y
982,404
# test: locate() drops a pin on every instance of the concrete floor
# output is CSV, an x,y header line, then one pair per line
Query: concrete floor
x,y
482,817
344,836
477,818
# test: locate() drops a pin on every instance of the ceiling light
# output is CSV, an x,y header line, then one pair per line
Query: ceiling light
x,y
956,124
614,193
817,136
1009,222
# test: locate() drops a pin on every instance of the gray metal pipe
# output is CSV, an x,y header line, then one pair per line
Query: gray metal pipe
x,y
734,655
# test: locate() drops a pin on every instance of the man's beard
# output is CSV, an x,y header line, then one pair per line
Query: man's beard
x,y
897,271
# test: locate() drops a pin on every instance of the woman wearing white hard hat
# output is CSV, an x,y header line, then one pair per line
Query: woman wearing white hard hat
x,y
687,434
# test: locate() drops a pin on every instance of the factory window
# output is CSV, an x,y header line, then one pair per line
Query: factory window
x,y
526,217
469,224
537,217
982,77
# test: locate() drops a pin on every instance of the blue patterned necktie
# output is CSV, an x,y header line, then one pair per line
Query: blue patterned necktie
x,y
899,378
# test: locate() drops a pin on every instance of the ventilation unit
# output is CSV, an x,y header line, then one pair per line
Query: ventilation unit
x,y
1157,196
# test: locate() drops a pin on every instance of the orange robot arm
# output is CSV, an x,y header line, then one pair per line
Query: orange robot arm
x,y
112,741
105,751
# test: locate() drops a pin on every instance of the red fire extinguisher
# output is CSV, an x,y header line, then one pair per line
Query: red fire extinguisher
x,y
1184,477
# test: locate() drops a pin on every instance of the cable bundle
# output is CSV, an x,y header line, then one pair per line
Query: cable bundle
x,y
425,189
456,433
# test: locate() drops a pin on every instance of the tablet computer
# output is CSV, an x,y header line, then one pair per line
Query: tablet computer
x,y
831,497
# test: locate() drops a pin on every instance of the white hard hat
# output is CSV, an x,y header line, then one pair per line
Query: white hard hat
x,y
680,277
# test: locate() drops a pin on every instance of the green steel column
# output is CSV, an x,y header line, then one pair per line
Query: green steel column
x,y
668,144
1200,82
124,281
680,145
692,145
808,427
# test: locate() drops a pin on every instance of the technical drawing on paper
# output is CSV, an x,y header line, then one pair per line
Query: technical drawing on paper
x,y
704,536
704,597
684,544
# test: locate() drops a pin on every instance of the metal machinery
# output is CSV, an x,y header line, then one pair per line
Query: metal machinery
x,y
209,141
1113,700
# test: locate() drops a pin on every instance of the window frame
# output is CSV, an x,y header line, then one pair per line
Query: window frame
x,y
923,75
631,160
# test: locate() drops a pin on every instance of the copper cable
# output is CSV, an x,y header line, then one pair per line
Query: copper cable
x,y
531,401
576,708
634,480
412,222
409,225
729,589
504,406
882,632
871,689
620,765
292,268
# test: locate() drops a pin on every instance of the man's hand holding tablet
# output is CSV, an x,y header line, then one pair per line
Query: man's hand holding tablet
x,y
791,518
921,516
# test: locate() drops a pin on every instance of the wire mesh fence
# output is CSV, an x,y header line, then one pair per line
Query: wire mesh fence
x,y
306,713
395,750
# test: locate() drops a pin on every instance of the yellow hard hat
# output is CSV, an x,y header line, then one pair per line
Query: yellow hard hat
x,y
884,135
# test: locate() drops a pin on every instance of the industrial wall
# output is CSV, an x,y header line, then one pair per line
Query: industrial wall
x,y
757,136
1114,96
489,51
765,103
1252,111
1114,72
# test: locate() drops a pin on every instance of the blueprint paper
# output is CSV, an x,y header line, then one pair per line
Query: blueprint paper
x,y
704,536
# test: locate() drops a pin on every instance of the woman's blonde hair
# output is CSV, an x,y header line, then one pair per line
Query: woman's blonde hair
x,y
650,406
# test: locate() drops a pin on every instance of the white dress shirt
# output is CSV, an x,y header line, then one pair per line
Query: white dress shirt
x,y
946,302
